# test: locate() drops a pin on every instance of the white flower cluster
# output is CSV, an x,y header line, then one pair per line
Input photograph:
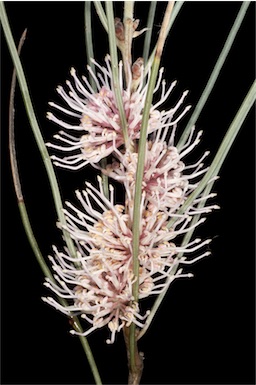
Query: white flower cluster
x,y
98,281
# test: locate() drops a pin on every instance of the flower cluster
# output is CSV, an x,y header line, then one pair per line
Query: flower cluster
x,y
97,132
98,281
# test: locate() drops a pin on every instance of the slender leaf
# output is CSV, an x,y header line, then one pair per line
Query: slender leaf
x,y
215,73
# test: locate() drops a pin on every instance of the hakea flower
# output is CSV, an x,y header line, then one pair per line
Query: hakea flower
x,y
94,131
98,281
167,180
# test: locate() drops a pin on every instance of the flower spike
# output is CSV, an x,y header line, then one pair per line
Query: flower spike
x,y
98,282
94,131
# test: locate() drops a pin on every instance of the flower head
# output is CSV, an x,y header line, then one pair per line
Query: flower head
x,y
98,281
167,180
96,124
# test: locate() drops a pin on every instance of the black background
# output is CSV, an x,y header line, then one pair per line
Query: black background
x,y
204,331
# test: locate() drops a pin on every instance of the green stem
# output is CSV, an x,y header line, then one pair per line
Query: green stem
x,y
101,13
35,126
15,174
88,353
150,21
115,72
217,164
32,240
47,273
215,73
27,225
139,175
142,151
140,171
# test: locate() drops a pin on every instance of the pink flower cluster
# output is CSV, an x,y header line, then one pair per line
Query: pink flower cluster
x,y
98,281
